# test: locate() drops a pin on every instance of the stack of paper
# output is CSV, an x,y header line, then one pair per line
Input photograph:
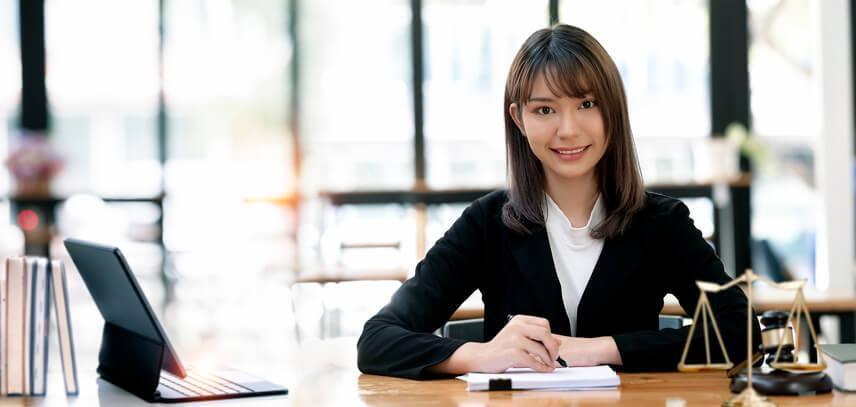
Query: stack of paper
x,y
567,378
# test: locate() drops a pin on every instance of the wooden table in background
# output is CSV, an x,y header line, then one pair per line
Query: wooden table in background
x,y
842,308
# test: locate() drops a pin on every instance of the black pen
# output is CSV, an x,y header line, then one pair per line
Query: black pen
x,y
559,359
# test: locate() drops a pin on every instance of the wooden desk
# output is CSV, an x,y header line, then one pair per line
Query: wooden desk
x,y
325,374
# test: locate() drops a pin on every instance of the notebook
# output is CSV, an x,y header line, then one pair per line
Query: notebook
x,y
566,378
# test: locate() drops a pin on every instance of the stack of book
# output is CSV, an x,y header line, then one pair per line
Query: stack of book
x,y
29,288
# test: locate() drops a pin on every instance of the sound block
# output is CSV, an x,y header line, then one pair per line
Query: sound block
x,y
783,383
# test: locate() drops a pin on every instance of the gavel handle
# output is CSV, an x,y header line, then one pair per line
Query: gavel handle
x,y
734,371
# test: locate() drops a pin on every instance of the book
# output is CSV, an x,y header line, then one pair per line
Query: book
x,y
29,270
3,330
39,328
59,294
841,365
566,378
15,326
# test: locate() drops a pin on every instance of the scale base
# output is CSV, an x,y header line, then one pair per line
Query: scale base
x,y
783,383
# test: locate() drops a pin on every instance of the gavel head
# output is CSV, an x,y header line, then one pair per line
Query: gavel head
x,y
776,331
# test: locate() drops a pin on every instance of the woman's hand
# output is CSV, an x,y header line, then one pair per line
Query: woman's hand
x,y
525,341
588,351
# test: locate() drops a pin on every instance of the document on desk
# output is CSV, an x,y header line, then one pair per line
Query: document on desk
x,y
565,378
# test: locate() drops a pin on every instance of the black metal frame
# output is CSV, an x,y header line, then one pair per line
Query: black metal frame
x,y
34,113
729,77
417,66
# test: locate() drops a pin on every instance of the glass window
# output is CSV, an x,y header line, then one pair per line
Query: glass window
x,y
10,84
469,47
102,81
662,50
786,124
356,95
226,83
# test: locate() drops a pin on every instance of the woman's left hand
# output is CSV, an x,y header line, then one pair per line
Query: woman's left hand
x,y
588,351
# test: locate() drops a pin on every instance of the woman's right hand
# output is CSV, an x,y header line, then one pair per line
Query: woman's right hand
x,y
525,341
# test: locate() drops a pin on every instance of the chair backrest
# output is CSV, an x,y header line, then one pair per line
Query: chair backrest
x,y
466,329
473,329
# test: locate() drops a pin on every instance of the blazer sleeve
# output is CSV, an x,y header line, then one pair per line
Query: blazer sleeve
x,y
686,258
399,339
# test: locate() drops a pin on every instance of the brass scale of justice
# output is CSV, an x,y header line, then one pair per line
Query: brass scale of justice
x,y
789,377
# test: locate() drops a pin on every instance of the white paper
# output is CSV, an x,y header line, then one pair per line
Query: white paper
x,y
565,378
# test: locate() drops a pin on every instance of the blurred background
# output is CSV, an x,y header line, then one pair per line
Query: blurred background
x,y
274,169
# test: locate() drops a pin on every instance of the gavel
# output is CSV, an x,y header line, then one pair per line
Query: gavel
x,y
776,328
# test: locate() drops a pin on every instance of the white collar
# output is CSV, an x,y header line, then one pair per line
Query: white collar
x,y
577,237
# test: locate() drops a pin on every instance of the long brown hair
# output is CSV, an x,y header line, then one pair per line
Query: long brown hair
x,y
573,63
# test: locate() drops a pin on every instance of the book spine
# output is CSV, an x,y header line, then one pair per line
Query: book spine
x,y
29,271
46,318
3,329
15,327
63,317
38,340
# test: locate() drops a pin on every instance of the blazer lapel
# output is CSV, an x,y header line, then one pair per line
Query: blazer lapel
x,y
535,263
615,261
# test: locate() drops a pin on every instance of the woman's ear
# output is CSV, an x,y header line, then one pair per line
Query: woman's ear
x,y
515,115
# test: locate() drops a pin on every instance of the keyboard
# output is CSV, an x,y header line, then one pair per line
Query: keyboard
x,y
200,384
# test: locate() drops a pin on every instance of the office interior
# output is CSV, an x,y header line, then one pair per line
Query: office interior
x,y
274,169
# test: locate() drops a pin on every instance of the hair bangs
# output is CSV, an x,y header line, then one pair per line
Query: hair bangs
x,y
568,76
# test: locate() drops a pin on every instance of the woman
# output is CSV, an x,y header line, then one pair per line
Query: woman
x,y
573,261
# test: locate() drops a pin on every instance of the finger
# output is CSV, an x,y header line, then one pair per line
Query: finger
x,y
544,337
525,359
536,349
528,319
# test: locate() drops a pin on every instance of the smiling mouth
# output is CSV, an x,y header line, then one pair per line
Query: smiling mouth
x,y
571,151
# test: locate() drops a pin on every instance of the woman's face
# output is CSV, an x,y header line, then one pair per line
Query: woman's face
x,y
565,133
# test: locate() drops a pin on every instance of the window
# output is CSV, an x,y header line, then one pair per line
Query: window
x,y
468,50
102,81
786,123
662,51
226,85
10,83
356,95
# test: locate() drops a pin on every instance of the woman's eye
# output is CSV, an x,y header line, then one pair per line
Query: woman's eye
x,y
543,110
588,104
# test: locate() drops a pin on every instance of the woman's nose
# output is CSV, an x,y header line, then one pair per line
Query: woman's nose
x,y
568,125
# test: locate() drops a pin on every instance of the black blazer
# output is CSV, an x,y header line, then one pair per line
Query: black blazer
x,y
660,252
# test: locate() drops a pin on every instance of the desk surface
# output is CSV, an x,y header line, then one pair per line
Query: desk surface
x,y
326,375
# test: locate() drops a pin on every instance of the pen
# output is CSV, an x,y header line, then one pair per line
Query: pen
x,y
559,359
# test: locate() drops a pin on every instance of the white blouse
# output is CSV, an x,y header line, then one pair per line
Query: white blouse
x,y
575,253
